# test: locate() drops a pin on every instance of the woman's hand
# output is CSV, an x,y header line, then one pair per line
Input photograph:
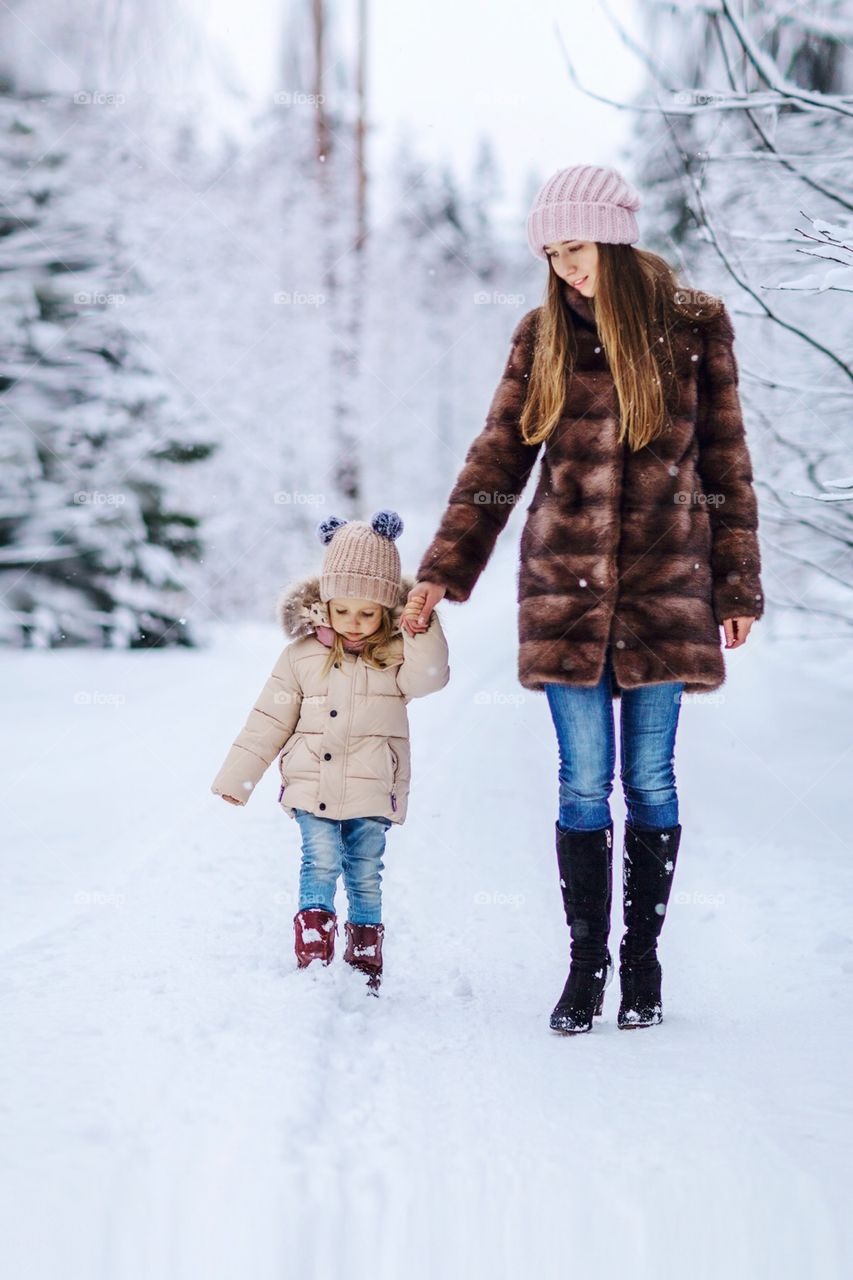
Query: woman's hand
x,y
422,599
737,630
231,800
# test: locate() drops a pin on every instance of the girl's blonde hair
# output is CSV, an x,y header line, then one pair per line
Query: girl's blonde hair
x,y
377,649
638,300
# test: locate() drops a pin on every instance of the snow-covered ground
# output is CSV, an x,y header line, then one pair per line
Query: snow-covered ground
x,y
179,1103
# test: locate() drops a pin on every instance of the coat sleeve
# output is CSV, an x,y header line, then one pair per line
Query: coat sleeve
x,y
270,724
725,468
495,471
424,668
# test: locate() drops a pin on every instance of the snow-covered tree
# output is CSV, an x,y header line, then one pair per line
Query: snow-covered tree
x,y
745,122
91,540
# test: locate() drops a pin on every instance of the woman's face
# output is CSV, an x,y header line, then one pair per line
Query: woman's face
x,y
355,619
576,262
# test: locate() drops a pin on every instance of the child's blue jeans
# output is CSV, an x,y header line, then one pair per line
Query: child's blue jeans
x,y
353,846
583,719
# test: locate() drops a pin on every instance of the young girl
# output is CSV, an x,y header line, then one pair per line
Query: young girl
x,y
640,543
335,708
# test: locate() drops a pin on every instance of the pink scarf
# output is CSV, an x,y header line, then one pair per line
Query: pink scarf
x,y
326,635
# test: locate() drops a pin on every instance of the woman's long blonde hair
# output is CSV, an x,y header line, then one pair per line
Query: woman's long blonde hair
x,y
376,651
638,300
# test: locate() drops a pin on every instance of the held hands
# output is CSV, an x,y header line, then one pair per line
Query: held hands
x,y
737,630
413,609
422,599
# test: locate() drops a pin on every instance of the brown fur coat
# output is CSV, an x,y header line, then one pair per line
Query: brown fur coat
x,y
645,552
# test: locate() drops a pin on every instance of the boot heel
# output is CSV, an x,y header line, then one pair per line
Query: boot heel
x,y
607,981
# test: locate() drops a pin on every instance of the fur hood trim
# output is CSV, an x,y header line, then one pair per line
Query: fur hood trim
x,y
299,609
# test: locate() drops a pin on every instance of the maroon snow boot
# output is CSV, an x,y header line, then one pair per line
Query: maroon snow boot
x,y
314,930
364,951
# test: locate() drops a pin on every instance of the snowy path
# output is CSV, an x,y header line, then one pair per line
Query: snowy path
x,y
179,1102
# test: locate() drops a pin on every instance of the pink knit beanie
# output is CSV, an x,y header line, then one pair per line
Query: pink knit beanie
x,y
362,562
583,202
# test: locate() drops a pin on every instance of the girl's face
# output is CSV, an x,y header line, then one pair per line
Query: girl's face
x,y
355,619
576,262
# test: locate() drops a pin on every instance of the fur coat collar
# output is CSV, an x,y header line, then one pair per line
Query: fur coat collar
x,y
582,307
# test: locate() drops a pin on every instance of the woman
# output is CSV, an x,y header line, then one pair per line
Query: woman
x,y
640,542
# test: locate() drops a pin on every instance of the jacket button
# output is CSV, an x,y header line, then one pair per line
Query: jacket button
x,y
327,756
333,713
322,806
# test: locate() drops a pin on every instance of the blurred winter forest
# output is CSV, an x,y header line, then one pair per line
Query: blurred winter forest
x,y
212,339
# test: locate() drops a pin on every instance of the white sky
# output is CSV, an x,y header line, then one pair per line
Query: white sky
x,y
451,71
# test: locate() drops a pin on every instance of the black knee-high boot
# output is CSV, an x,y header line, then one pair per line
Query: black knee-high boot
x,y
585,861
647,871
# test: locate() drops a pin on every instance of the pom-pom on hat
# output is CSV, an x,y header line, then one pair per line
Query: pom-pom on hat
x,y
362,561
583,202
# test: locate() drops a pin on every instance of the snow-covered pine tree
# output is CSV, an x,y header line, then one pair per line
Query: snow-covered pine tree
x,y
91,541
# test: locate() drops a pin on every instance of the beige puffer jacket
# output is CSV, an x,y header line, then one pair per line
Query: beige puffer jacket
x,y
343,737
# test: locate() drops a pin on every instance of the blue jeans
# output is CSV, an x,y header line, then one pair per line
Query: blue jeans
x,y
353,846
583,718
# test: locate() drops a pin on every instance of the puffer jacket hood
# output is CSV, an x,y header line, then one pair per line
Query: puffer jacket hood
x,y
299,609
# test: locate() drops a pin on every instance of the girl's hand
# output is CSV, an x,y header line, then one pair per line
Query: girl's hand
x,y
422,599
231,800
737,630
413,609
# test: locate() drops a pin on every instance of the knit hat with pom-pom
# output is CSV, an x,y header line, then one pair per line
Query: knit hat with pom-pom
x,y
361,562
583,202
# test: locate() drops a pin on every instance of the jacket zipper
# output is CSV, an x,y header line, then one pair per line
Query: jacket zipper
x,y
348,728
